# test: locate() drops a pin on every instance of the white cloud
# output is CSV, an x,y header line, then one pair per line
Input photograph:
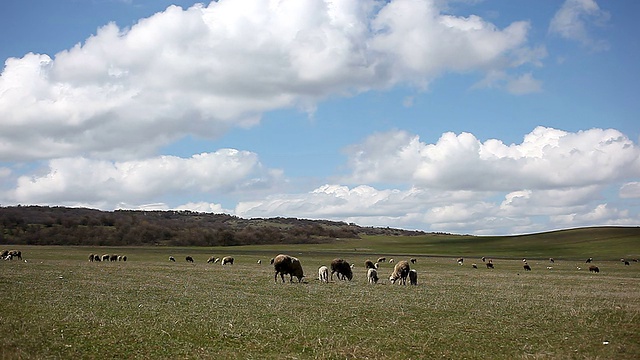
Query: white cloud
x,y
574,20
125,92
546,159
104,184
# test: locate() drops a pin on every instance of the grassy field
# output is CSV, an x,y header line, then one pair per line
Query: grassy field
x,y
58,305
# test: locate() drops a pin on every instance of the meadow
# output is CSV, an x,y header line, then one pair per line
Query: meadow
x,y
58,305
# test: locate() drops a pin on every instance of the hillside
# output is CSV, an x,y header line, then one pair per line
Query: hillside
x,y
41,225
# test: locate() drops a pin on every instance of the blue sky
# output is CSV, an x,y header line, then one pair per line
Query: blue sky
x,y
478,117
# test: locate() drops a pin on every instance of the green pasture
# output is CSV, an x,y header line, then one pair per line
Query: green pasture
x,y
55,304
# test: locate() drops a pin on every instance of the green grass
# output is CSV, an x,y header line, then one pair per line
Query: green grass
x,y
58,305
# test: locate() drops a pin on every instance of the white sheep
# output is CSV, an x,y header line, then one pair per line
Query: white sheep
x,y
400,271
323,274
372,276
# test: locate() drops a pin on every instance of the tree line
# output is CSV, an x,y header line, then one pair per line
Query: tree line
x,y
43,225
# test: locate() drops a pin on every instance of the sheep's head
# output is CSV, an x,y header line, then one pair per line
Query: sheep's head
x,y
393,279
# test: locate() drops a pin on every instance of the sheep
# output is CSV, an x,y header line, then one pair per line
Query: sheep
x,y
342,268
91,257
285,264
489,265
460,261
96,258
216,260
400,271
413,277
323,274
382,259
189,259
594,269
370,265
227,260
551,260
483,259
526,267
105,257
413,260
211,260
391,261
113,257
4,253
589,260
259,262
626,263
119,257
171,258
16,254
372,276
474,266
124,258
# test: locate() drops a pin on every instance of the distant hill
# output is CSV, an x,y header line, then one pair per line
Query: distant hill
x,y
42,225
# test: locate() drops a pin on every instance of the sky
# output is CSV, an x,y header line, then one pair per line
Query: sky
x,y
468,116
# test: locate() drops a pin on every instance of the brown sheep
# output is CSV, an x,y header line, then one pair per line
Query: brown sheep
x,y
370,265
285,264
342,268
594,269
189,259
527,267
227,260
400,271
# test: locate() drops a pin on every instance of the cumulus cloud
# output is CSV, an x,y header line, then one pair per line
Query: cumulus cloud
x,y
574,20
124,92
546,159
75,181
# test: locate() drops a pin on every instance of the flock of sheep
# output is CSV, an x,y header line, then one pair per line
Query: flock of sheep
x,y
106,257
10,254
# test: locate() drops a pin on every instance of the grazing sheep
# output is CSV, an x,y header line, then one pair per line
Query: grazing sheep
x,y
400,271
489,265
589,260
474,266
211,260
227,260
189,259
92,257
372,276
259,262
594,269
216,260
551,260
460,261
382,259
113,257
483,258
124,258
370,265
391,261
285,264
119,257
105,257
171,258
342,268
626,263
323,274
16,254
527,267
413,260
413,277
